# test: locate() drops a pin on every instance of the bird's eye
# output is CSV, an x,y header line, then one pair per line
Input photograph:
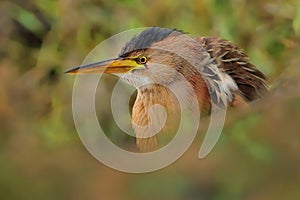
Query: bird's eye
x,y
141,59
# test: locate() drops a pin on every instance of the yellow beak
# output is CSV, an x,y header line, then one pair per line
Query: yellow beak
x,y
111,66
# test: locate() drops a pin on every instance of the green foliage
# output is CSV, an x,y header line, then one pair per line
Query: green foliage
x,y
41,156
28,20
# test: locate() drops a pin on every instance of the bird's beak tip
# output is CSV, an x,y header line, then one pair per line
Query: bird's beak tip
x,y
70,71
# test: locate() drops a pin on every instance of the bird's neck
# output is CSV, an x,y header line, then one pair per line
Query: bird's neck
x,y
149,119
153,112
149,96
167,97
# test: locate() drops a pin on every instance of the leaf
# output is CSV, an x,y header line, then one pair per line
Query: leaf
x,y
28,20
296,22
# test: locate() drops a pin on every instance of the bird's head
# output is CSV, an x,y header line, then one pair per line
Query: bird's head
x,y
143,60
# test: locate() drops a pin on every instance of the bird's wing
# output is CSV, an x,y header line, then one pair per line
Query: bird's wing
x,y
235,63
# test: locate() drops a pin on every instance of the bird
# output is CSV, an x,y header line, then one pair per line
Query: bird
x,y
158,58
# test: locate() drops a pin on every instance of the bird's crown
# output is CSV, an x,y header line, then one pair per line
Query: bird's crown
x,y
146,38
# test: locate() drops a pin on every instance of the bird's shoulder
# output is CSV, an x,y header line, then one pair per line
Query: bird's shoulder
x,y
233,61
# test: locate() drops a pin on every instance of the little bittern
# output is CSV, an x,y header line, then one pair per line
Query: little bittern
x,y
157,57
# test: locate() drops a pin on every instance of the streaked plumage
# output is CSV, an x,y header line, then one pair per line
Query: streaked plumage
x,y
218,71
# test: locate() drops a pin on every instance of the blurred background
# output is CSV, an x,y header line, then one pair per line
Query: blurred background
x,y
41,156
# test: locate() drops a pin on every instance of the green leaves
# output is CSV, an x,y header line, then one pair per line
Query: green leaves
x,y
28,19
296,21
